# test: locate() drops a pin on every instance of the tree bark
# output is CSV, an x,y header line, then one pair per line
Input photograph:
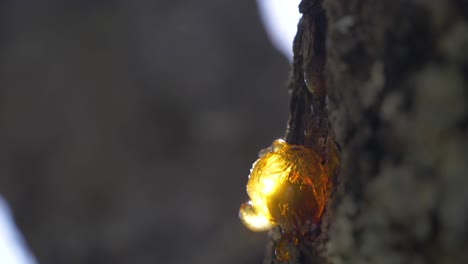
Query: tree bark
x,y
396,76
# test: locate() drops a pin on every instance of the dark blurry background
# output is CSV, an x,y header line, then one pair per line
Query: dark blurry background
x,y
128,128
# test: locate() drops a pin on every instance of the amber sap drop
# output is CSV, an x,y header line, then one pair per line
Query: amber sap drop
x,y
287,186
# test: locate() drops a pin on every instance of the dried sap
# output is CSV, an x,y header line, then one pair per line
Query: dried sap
x,y
288,186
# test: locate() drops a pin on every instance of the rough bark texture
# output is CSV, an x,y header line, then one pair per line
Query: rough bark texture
x,y
397,81
128,127
308,125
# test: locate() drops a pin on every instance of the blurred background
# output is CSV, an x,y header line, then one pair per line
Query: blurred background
x,y
128,128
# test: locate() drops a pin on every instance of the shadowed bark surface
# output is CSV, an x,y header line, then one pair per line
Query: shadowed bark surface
x,y
397,81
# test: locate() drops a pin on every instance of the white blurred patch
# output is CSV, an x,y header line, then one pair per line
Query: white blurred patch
x,y
280,18
12,246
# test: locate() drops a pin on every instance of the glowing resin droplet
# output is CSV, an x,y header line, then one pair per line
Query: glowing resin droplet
x,y
253,220
288,187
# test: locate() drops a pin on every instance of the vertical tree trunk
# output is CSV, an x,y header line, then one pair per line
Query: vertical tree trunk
x,y
397,76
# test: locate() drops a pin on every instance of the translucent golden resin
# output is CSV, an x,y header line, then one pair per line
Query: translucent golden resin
x,y
287,186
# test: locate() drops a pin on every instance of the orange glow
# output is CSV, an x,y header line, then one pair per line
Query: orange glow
x,y
288,186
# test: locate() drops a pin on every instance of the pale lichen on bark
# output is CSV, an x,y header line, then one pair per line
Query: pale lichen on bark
x,y
404,141
396,75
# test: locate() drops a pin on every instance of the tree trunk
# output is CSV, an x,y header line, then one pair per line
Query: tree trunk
x,y
396,75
